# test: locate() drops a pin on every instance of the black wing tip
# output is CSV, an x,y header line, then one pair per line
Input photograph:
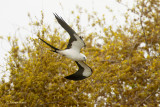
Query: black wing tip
x,y
75,78
56,16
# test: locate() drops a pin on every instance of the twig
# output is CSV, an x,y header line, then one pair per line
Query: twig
x,y
147,98
110,61
143,29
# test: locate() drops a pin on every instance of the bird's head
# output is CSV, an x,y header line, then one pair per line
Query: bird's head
x,y
84,58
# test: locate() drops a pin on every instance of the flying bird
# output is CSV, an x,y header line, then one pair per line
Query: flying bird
x,y
73,51
74,46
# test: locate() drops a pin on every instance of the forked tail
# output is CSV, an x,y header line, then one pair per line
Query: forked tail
x,y
55,49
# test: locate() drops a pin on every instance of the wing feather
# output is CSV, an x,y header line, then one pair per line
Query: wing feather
x,y
83,72
75,41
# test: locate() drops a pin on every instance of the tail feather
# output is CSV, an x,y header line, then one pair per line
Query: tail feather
x,y
49,45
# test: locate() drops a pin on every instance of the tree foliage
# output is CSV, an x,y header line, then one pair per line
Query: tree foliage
x,y
126,65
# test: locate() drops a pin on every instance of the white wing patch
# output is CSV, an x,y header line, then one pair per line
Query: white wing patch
x,y
87,73
78,44
87,70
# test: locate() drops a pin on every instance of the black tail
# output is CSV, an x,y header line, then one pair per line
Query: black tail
x,y
55,49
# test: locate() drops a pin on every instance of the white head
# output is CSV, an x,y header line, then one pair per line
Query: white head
x,y
84,58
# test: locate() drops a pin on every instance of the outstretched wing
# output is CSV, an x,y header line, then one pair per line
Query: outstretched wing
x,y
83,72
75,41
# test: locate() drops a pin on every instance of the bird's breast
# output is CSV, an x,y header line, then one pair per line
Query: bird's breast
x,y
71,54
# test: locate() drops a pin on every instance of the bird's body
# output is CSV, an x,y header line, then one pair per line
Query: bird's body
x,y
73,51
72,54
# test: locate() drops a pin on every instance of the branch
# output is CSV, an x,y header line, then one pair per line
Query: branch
x,y
15,103
111,61
143,29
154,92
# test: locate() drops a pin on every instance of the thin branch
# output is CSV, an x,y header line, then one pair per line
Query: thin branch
x,y
143,29
111,61
154,92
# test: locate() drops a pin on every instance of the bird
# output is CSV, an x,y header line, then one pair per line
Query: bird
x,y
72,51
75,43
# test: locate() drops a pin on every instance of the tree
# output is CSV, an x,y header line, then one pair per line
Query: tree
x,y
126,66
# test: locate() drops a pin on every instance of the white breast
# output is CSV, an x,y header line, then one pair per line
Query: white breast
x,y
71,54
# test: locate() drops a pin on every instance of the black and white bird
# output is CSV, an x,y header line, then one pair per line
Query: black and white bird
x,y
73,51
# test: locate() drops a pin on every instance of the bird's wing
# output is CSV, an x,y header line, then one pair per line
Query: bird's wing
x,y
83,72
75,41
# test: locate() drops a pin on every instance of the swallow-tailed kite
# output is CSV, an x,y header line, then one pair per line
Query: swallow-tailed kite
x,y
73,51
75,43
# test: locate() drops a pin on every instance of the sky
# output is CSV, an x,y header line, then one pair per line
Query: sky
x,y
14,15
